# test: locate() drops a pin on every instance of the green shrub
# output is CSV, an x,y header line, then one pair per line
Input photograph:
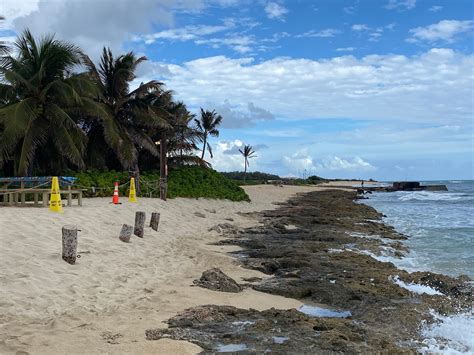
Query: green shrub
x,y
190,181
251,175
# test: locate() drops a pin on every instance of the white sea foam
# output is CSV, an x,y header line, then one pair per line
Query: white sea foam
x,y
415,288
231,348
314,311
386,253
280,339
363,235
370,236
449,334
431,196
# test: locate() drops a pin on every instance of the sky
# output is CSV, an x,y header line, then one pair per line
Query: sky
x,y
378,89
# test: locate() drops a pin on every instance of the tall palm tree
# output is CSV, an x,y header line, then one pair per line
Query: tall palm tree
x,y
39,94
248,153
123,119
207,125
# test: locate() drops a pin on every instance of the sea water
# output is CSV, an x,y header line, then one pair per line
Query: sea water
x,y
440,226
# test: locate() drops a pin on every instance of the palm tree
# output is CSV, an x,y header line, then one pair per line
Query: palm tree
x,y
207,125
248,153
39,94
123,119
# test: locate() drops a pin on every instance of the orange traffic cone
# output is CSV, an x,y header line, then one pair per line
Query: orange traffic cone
x,y
115,198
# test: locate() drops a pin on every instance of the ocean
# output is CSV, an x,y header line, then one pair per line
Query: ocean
x,y
440,226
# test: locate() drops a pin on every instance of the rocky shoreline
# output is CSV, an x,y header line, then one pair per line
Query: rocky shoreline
x,y
330,252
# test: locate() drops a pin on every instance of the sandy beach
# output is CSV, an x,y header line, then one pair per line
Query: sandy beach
x,y
116,291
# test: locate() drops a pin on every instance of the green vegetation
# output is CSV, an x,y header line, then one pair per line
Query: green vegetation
x,y
255,175
196,182
314,179
186,181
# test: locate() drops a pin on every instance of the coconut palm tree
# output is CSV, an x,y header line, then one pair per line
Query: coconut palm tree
x,y
39,93
207,125
122,119
248,153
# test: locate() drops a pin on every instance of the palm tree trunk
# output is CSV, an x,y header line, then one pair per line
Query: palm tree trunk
x,y
204,148
245,169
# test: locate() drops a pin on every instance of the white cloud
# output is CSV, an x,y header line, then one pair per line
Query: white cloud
x,y
360,27
349,10
183,34
303,161
93,25
237,40
340,164
298,161
238,116
240,44
228,158
401,4
328,32
223,161
12,9
445,30
431,87
275,10
346,49
373,33
435,8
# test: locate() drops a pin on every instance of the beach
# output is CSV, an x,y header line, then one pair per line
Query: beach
x,y
49,306
292,247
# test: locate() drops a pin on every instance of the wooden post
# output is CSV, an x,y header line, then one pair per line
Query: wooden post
x,y
125,233
155,220
22,194
70,244
45,199
163,172
69,196
139,229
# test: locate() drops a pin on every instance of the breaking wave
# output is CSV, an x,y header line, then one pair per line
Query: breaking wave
x,y
449,334
431,196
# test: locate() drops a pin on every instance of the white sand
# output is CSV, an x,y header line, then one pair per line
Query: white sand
x,y
49,306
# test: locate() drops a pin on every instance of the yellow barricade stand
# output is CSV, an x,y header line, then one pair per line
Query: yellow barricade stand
x,y
55,203
132,196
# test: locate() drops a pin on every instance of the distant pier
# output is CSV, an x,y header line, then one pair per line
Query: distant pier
x,y
404,186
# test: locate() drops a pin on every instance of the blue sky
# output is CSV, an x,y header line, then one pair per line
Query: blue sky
x,y
365,89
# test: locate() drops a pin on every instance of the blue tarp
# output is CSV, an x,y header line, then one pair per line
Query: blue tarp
x,y
35,180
